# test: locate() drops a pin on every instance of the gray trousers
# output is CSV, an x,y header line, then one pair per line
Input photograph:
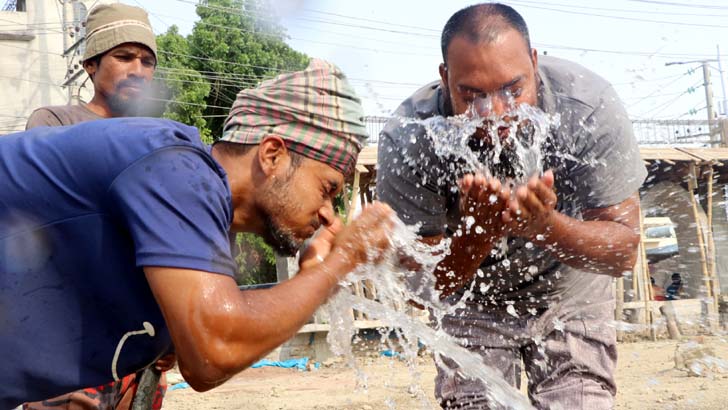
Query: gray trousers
x,y
568,352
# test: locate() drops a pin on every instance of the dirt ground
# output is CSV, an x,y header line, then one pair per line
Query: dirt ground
x,y
646,376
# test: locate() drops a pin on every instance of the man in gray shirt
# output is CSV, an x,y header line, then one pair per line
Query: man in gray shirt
x,y
547,299
120,58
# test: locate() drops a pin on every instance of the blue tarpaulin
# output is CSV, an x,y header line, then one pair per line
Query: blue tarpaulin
x,y
178,386
299,364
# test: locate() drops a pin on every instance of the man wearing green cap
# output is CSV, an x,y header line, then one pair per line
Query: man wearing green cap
x,y
120,58
114,237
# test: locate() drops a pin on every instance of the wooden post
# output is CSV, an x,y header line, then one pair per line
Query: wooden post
x,y
692,186
707,308
351,203
644,272
668,311
714,285
350,208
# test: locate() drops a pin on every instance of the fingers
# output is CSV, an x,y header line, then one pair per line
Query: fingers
x,y
378,211
369,234
466,183
166,362
532,205
548,178
331,230
526,204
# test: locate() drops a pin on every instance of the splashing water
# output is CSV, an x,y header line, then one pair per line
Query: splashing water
x,y
517,138
452,138
395,285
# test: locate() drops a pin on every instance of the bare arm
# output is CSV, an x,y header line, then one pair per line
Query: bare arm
x,y
483,200
605,242
218,330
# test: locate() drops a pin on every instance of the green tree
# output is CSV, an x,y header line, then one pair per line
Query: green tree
x,y
186,88
234,45
241,42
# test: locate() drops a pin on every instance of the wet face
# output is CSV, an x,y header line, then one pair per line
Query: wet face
x,y
121,77
490,78
296,204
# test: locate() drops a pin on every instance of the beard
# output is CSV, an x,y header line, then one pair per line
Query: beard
x,y
129,106
276,200
282,241
124,107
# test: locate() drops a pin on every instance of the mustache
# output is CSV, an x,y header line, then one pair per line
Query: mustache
x,y
130,82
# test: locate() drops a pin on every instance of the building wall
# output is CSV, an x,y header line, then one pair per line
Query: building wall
x,y
33,68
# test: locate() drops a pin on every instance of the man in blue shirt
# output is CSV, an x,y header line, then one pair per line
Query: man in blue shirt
x,y
114,246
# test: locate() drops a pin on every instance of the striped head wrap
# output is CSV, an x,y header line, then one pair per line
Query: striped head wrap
x,y
315,111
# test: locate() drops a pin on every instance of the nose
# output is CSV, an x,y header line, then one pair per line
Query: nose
x,y
500,105
496,104
138,69
326,213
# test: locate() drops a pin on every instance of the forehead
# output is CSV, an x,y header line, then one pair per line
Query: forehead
x,y
322,171
132,48
498,60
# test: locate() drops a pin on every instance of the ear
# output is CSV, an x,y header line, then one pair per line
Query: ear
x,y
91,67
273,155
443,75
534,59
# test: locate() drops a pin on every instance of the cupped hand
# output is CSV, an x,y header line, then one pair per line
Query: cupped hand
x,y
483,199
531,209
366,237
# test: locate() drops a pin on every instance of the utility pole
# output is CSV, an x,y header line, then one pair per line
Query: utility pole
x,y
708,98
724,104
73,38
708,93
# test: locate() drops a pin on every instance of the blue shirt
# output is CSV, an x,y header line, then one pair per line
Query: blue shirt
x,y
82,210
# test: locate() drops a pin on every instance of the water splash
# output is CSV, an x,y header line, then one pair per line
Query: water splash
x,y
396,285
507,146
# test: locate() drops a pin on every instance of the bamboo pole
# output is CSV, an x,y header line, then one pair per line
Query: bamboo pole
x,y
711,241
350,208
692,186
644,273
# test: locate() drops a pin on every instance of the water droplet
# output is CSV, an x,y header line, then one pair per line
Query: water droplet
x,y
469,222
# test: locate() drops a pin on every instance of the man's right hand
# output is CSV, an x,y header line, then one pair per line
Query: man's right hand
x,y
484,199
366,237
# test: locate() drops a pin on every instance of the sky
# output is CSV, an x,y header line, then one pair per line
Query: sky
x,y
391,48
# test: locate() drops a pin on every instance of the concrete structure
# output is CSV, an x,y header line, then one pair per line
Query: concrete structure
x,y
34,34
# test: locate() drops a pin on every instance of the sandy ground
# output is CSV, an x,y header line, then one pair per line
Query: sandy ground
x,y
646,375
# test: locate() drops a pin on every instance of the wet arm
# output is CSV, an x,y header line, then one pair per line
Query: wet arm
x,y
605,242
219,330
457,269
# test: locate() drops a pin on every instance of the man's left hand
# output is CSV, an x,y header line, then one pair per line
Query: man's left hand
x,y
531,210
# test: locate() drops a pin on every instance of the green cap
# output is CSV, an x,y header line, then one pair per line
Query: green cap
x,y
109,25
